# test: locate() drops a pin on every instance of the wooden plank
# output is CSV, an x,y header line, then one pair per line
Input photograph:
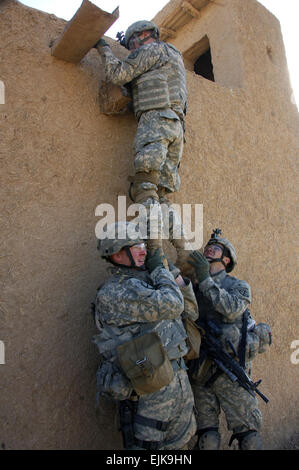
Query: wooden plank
x,y
86,27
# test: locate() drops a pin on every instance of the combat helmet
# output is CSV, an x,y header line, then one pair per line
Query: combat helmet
x,y
229,249
116,236
140,26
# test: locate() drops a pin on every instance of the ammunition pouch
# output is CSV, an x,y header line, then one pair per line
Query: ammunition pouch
x,y
111,382
193,339
264,334
258,340
145,363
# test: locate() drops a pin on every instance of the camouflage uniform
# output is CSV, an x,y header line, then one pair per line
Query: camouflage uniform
x,y
129,300
151,70
223,299
156,76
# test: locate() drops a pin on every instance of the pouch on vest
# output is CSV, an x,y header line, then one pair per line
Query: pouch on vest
x,y
231,340
265,336
112,382
146,363
193,339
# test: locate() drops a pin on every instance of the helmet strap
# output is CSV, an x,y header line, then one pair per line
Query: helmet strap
x,y
220,260
139,268
217,260
129,254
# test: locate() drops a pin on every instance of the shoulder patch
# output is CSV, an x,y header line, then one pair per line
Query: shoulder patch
x,y
243,291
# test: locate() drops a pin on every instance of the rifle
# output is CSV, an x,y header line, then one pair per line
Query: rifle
x,y
121,38
212,349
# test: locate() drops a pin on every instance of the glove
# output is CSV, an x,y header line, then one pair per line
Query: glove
x,y
173,269
200,264
155,259
101,42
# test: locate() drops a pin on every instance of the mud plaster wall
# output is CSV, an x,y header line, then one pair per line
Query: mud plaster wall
x,y
61,158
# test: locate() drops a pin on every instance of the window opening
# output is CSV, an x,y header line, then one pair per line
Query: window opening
x,y
203,66
198,58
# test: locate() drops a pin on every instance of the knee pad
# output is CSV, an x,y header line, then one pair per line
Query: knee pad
x,y
248,440
208,439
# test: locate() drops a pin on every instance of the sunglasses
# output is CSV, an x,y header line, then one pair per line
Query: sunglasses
x,y
214,247
139,246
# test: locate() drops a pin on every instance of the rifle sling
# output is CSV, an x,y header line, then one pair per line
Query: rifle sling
x,y
242,345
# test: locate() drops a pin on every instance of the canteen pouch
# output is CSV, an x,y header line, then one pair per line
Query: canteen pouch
x,y
193,339
145,363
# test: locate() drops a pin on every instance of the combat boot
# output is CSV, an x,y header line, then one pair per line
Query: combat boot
x,y
144,186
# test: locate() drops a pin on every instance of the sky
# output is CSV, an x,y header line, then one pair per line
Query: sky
x,y
287,12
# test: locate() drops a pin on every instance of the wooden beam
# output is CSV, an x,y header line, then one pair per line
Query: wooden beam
x,y
86,27
190,9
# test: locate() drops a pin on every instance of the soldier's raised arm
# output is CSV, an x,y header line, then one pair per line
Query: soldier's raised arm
x,y
138,62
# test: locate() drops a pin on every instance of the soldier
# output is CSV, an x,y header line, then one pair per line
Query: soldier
x,y
222,302
138,313
155,73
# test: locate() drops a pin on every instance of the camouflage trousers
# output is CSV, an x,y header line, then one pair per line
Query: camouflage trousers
x,y
240,408
158,146
172,404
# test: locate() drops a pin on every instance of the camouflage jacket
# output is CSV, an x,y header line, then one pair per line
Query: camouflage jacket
x,y
156,75
130,303
222,299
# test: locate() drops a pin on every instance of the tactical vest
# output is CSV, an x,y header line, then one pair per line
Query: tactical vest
x,y
111,379
257,337
164,86
171,333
